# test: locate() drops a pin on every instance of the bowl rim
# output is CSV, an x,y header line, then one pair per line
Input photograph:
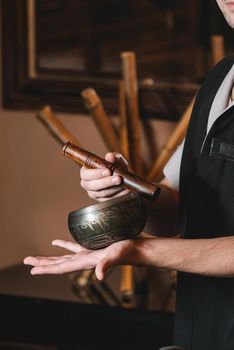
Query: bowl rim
x,y
101,205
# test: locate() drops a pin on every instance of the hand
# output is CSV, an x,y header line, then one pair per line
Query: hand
x,y
99,183
82,259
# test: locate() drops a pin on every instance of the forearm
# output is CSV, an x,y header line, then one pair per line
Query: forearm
x,y
211,257
163,213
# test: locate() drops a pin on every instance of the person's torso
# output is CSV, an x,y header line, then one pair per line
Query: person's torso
x,y
205,305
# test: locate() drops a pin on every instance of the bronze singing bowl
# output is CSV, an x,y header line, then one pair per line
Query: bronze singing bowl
x,y
99,225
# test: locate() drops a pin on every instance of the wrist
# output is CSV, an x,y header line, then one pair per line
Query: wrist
x,y
166,253
143,251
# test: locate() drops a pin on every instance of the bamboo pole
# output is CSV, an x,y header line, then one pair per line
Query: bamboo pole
x,y
131,144
55,126
80,282
123,121
175,139
127,286
129,73
217,48
126,280
95,107
84,278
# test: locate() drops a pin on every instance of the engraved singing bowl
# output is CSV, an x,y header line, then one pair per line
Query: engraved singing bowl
x,y
99,225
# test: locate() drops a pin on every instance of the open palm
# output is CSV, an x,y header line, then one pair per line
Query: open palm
x,y
81,259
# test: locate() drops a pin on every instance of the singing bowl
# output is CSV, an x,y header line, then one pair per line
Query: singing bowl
x,y
99,225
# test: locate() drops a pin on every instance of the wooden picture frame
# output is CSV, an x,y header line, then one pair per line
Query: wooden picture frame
x,y
27,86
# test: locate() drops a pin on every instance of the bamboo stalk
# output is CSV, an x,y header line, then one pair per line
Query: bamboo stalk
x,y
129,73
55,126
84,278
170,298
80,282
123,121
175,139
127,285
126,282
217,48
131,145
95,107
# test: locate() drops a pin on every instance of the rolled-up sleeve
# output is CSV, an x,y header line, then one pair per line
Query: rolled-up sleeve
x,y
172,168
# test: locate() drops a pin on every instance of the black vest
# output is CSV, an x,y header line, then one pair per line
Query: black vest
x,y
205,305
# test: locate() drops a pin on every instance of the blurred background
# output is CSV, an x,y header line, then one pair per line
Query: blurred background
x,y
47,59
50,52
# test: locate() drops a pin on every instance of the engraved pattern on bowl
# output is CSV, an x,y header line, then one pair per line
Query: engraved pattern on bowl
x,y
102,224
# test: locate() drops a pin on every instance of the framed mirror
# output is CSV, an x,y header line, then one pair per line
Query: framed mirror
x,y
53,49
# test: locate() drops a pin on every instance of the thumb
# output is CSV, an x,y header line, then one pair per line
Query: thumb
x,y
116,157
117,254
101,269
104,265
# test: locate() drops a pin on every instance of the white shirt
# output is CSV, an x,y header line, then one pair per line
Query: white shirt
x,y
219,106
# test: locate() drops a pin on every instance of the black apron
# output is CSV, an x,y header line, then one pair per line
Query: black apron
x,y
205,305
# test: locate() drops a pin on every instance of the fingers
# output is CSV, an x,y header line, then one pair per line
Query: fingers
x,y
100,184
83,260
41,260
46,265
105,194
55,269
101,188
116,157
115,194
73,247
93,174
86,260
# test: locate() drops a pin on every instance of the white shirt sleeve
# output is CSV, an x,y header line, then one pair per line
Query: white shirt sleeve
x,y
172,168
